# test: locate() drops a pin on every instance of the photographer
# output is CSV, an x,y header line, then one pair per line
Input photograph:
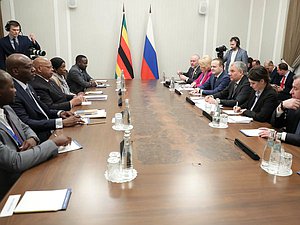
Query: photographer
x,y
235,53
16,43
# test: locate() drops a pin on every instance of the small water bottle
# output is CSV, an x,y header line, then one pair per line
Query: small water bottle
x,y
126,160
164,77
267,151
123,88
275,157
172,84
216,117
126,115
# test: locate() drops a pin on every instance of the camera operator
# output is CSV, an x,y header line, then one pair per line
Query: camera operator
x,y
16,43
235,53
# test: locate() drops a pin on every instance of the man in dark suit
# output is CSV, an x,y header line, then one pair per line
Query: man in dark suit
x,y
285,82
16,43
193,72
48,91
272,69
78,79
19,149
238,90
236,53
218,81
287,117
27,105
262,99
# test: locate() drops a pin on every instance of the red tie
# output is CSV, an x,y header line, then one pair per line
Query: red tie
x,y
282,82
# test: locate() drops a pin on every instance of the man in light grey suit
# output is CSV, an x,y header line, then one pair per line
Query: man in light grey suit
x,y
19,149
235,53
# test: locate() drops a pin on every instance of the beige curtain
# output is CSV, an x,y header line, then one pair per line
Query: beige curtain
x,y
291,52
1,24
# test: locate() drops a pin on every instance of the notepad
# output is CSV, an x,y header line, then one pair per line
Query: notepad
x,y
93,92
95,97
44,201
250,132
239,119
91,113
70,147
231,112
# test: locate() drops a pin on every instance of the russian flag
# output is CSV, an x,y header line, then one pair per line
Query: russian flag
x,y
149,64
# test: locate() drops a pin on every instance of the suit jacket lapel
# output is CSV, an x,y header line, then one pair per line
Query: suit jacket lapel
x,y
4,128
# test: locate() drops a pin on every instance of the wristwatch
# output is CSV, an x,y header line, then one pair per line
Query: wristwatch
x,y
281,106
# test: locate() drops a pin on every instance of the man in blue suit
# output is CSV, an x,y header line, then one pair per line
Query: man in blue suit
x,y
15,43
218,81
235,53
27,105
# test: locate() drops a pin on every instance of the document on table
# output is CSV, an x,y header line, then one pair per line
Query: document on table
x,y
251,132
95,97
91,113
239,119
230,112
44,201
71,147
93,93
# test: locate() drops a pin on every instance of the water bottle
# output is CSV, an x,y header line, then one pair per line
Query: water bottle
x,y
123,88
164,77
126,115
275,157
126,161
216,117
267,151
172,84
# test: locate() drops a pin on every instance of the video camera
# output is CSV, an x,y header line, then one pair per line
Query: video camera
x,y
220,51
35,53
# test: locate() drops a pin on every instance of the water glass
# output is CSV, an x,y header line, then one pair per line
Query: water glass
x,y
223,120
118,121
207,107
286,164
113,169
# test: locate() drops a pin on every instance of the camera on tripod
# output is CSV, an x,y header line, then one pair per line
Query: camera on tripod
x,y
220,51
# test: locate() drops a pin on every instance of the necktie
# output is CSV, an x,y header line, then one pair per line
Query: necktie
x,y
256,99
35,102
234,89
214,84
16,45
282,82
15,134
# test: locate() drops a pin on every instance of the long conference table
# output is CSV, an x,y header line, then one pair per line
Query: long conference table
x,y
188,172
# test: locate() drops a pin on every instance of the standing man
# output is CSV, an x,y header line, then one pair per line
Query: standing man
x,y
217,82
78,79
287,116
193,72
48,91
235,53
238,90
31,110
20,148
16,43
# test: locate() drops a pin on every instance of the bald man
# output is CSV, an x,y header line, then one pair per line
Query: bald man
x,y
194,71
31,110
48,91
